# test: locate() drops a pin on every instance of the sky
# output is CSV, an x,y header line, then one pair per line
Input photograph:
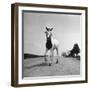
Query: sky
x,y
66,29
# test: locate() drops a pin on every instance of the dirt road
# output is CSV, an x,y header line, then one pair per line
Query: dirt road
x,y
35,67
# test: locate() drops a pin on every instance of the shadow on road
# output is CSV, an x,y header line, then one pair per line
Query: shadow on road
x,y
37,65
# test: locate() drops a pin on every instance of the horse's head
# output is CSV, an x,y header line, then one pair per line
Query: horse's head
x,y
49,29
48,32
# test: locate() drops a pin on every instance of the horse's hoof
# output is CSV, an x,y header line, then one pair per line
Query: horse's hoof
x,y
56,61
49,64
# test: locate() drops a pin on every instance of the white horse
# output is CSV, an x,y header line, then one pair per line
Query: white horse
x,y
51,44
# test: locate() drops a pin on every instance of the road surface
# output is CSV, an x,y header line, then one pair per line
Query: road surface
x,y
36,67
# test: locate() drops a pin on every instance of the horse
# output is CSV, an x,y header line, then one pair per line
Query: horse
x,y
51,45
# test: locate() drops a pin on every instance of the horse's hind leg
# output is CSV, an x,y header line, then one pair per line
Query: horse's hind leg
x,y
57,55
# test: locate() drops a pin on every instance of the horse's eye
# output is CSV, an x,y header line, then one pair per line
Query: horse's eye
x,y
47,29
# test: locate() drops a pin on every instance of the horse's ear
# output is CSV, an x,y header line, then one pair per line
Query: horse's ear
x,y
46,28
51,29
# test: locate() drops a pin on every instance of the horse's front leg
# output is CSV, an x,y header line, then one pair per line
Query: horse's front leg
x,y
45,57
57,55
51,55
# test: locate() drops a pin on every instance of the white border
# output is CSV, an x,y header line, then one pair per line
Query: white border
x,y
50,79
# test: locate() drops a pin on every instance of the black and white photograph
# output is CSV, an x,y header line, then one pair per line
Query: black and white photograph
x,y
50,44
